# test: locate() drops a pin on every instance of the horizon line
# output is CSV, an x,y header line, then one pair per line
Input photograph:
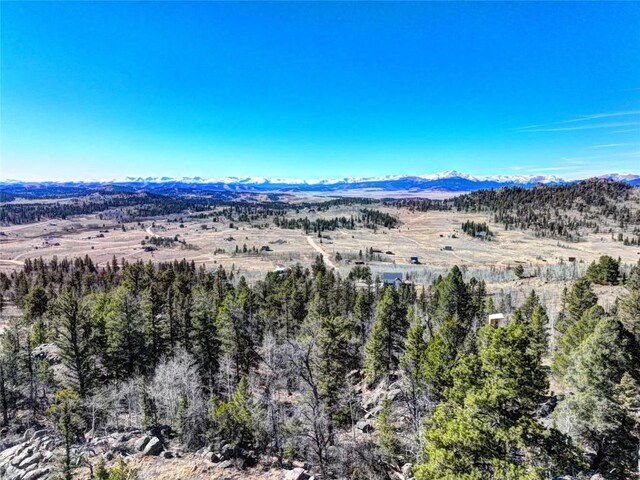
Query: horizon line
x,y
250,179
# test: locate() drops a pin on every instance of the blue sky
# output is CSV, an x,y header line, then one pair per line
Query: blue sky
x,y
318,90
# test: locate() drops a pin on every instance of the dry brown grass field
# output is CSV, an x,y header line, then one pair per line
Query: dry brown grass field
x,y
421,234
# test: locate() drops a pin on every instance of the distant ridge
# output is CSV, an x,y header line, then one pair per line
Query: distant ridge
x,y
447,181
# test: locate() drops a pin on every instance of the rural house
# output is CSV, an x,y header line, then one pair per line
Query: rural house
x,y
392,278
497,320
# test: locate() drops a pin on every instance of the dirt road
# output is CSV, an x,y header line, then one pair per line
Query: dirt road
x,y
318,248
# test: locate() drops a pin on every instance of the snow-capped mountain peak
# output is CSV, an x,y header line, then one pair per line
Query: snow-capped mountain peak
x,y
448,181
444,175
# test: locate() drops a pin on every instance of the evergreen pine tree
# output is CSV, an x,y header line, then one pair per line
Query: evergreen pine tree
x,y
206,344
386,339
74,339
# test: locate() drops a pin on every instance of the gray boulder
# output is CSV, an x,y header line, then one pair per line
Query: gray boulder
x,y
38,434
296,474
154,447
212,457
35,474
26,453
9,453
226,464
141,443
227,452
365,426
32,460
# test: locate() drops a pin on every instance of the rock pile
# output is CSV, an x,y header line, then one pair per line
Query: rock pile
x,y
31,458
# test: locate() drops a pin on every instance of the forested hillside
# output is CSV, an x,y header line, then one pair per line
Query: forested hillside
x,y
562,211
349,377
130,206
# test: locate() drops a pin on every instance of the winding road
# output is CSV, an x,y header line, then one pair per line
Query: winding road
x,y
318,248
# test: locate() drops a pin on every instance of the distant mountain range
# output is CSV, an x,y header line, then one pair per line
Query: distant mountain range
x,y
447,181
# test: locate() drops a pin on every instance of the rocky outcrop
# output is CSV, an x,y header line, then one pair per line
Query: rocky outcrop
x,y
30,459
47,352
29,456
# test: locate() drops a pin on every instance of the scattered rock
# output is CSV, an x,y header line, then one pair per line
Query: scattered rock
x,y
141,443
47,352
7,454
124,437
365,426
38,434
296,474
250,458
154,447
202,451
39,473
17,460
27,434
373,412
166,454
48,444
226,464
32,460
407,470
227,452
212,457
30,468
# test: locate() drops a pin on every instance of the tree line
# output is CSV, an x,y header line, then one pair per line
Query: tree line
x,y
287,367
368,218
474,228
563,211
133,206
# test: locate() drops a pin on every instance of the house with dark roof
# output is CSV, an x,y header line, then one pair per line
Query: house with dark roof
x,y
392,278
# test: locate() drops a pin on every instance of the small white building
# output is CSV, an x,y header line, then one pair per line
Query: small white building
x,y
497,319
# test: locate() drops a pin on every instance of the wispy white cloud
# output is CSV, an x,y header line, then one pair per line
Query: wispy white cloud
x,y
596,116
591,126
610,145
626,131
558,126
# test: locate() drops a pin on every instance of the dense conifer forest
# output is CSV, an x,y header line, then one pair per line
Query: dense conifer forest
x,y
560,211
353,377
565,212
128,206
